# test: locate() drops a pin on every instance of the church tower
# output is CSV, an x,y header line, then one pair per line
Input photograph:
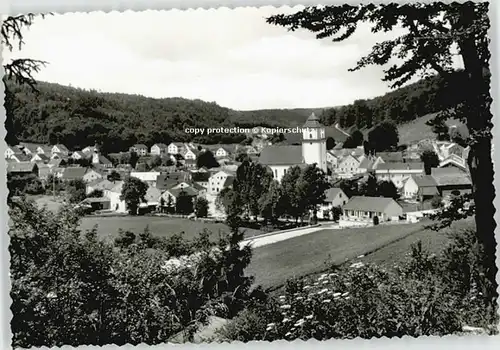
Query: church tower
x,y
314,142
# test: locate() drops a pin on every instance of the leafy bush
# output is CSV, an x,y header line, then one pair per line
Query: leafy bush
x,y
70,288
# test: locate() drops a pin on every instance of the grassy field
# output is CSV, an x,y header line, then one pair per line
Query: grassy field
x,y
159,226
272,265
417,130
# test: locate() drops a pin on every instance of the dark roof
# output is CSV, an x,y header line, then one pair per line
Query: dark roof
x,y
228,182
104,160
281,155
444,178
390,156
400,166
200,177
22,157
313,122
15,149
160,145
332,193
72,173
141,146
62,147
424,180
164,181
366,163
21,167
369,203
176,192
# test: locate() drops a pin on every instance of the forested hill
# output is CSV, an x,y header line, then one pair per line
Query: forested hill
x,y
78,118
428,95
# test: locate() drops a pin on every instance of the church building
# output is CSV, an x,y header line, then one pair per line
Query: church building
x,y
280,158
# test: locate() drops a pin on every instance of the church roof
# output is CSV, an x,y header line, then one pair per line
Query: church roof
x,y
281,155
313,122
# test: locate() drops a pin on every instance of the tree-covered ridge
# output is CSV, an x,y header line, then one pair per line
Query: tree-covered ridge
x,y
428,95
78,118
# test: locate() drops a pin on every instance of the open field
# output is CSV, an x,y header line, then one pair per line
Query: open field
x,y
398,251
273,264
52,204
158,226
417,130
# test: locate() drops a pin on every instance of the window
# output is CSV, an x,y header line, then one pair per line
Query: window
x,y
276,172
310,136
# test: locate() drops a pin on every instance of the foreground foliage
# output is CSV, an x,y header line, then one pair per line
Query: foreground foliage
x,y
428,295
70,288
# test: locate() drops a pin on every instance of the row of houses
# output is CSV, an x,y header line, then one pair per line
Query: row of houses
x,y
191,150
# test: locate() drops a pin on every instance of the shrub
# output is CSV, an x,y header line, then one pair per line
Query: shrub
x,y
436,202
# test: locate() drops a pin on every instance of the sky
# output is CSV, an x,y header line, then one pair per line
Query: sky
x,y
230,56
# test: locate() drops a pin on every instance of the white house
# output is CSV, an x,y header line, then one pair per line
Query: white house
x,y
219,181
40,158
332,159
89,150
148,177
221,152
175,148
140,149
335,197
419,187
190,155
10,151
91,175
114,193
60,148
348,165
398,173
47,150
363,209
159,149
77,155
280,158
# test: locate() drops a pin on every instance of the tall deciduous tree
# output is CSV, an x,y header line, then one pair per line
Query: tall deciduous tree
x,y
133,193
290,193
271,203
383,137
433,31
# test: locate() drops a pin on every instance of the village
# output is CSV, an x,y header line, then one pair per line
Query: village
x,y
175,170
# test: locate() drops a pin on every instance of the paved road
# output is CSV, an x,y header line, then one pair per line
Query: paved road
x,y
256,242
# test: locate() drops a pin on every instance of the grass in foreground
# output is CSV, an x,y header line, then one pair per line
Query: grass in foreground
x,y
272,265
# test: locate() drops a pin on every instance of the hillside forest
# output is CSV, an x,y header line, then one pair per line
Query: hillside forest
x,y
78,118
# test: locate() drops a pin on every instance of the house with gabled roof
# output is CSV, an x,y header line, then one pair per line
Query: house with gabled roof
x,y
399,172
190,154
77,155
334,197
454,160
220,180
101,160
140,149
159,149
28,147
43,149
22,168
19,157
11,150
39,158
73,173
451,182
60,148
176,148
419,187
175,193
280,158
363,209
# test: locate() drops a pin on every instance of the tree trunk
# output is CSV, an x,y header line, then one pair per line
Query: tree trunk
x,y
478,115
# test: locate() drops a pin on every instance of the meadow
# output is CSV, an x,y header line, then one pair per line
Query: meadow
x,y
274,264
